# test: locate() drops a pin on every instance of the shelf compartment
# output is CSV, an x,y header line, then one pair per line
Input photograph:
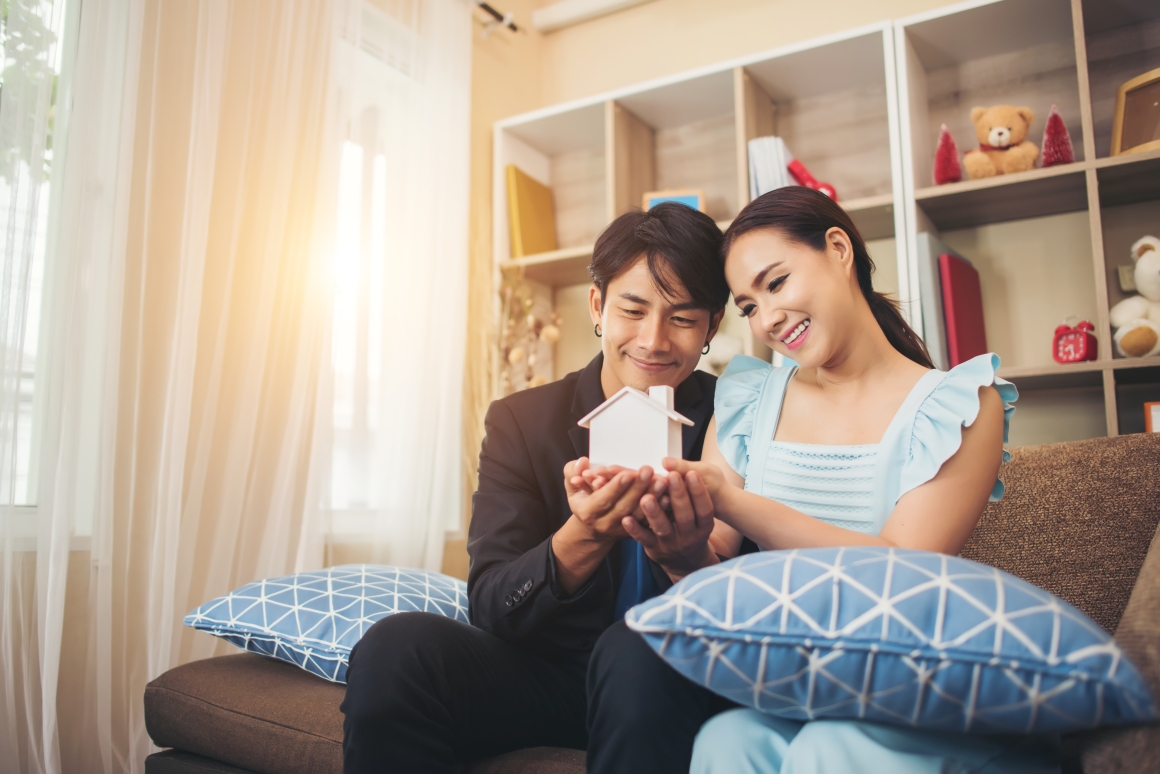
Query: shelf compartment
x,y
678,135
1135,387
1122,38
1056,415
1122,226
831,108
1130,178
566,152
873,215
1034,274
1016,52
1031,194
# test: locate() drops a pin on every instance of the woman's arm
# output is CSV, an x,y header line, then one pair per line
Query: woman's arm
x,y
937,516
724,540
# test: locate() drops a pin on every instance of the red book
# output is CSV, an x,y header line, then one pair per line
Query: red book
x,y
962,298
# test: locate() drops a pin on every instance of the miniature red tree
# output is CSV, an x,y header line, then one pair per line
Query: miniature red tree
x,y
947,168
1056,141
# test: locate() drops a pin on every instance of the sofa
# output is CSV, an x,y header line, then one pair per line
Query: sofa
x,y
1079,519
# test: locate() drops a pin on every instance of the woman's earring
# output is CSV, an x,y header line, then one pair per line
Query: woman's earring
x,y
596,330
705,351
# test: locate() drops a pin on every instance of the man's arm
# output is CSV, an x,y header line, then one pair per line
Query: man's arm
x,y
521,574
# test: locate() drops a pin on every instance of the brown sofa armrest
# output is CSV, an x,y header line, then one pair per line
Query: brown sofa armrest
x,y
1134,748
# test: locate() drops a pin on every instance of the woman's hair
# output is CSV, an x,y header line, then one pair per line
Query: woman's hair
x,y
804,215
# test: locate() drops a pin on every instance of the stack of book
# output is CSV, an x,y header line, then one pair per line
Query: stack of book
x,y
768,159
952,304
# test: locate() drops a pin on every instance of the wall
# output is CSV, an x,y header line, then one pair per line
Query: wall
x,y
516,73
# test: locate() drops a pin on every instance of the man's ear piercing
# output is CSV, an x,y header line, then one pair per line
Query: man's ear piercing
x,y
596,330
705,351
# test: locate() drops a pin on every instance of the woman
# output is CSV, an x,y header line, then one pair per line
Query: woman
x,y
862,443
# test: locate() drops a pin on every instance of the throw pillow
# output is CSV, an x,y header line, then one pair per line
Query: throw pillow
x,y
313,619
911,638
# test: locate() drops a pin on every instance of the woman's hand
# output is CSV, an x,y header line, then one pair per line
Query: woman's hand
x,y
699,475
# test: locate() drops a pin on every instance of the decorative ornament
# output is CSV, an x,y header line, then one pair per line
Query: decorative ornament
x,y
804,177
1074,344
947,167
550,334
524,335
1057,148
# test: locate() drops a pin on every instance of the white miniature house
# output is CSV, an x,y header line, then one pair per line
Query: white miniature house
x,y
632,429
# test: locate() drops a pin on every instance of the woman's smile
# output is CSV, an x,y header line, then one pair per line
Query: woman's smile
x,y
797,336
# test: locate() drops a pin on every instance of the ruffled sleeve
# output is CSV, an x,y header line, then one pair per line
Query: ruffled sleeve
x,y
735,403
952,405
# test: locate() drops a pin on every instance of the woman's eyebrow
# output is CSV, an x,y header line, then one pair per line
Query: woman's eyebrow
x,y
759,280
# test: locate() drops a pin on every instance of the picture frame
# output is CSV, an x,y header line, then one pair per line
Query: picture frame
x,y
1136,121
691,197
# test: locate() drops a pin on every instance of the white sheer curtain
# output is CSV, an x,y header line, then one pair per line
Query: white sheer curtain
x,y
33,546
186,309
390,431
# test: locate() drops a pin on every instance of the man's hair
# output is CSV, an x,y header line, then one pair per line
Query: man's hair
x,y
676,241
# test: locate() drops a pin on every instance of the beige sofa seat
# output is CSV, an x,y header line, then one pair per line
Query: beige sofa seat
x,y
1078,519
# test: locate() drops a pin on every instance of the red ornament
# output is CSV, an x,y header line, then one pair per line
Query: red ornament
x,y
1074,344
1057,147
947,167
803,177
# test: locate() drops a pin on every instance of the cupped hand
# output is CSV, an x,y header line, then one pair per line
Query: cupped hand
x,y
676,537
601,509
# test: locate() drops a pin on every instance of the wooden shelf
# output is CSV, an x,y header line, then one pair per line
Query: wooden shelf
x,y
1127,179
1030,194
1063,376
568,266
873,215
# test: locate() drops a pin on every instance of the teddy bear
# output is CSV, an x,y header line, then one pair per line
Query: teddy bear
x,y
1137,319
1003,149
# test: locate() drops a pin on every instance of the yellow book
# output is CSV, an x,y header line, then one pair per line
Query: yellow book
x,y
531,214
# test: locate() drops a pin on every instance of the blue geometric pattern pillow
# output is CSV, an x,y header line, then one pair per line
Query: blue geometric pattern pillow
x,y
313,619
910,638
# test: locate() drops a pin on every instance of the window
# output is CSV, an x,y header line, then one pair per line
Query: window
x,y
29,34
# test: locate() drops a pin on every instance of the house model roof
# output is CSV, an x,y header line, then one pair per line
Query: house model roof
x,y
632,392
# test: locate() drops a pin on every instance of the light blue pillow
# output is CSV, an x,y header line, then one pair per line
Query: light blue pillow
x,y
313,619
910,638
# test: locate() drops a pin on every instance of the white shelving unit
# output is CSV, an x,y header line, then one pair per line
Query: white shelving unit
x,y
1046,242
832,99
862,110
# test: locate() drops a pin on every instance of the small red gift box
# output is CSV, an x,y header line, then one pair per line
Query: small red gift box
x,y
1074,344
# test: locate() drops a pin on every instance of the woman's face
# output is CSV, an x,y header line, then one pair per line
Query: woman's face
x,y
799,301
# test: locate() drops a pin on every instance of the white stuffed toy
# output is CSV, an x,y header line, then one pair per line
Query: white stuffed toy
x,y
1136,320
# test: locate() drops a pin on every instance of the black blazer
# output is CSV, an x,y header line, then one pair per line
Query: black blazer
x,y
521,502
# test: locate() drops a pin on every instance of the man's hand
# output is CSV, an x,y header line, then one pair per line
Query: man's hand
x,y
600,503
597,520
678,543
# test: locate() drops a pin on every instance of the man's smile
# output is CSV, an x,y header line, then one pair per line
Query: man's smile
x,y
651,366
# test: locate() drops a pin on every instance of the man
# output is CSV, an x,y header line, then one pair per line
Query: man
x,y
553,564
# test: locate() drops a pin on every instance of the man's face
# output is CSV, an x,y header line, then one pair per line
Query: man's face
x,y
648,339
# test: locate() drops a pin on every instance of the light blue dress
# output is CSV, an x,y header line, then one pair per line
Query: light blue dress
x,y
854,487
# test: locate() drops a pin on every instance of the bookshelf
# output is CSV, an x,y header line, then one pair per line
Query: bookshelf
x,y
832,99
862,110
1046,242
